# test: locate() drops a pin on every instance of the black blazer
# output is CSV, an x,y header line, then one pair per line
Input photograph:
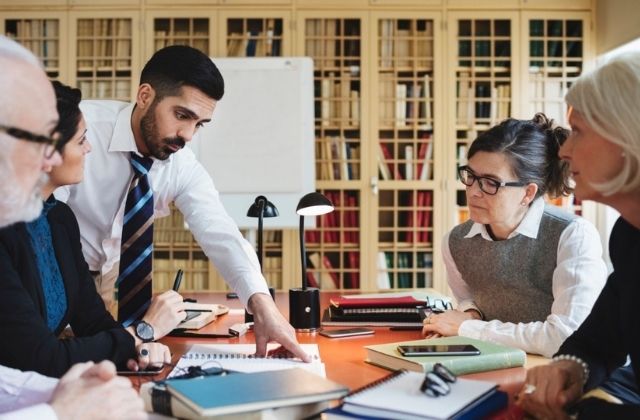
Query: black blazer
x,y
27,342
611,331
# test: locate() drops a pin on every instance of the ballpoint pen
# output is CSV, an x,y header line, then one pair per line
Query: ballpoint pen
x,y
178,280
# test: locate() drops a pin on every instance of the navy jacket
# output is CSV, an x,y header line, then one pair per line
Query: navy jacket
x,y
27,342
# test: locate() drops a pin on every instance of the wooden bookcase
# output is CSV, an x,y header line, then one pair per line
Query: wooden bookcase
x,y
401,88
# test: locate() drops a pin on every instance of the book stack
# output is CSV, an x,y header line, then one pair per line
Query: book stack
x,y
375,311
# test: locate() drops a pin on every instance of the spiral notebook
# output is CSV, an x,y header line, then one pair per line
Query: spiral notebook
x,y
240,358
398,396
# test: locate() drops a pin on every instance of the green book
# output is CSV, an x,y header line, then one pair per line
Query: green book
x,y
492,356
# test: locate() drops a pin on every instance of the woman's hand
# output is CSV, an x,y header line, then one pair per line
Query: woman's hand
x,y
153,355
444,324
549,389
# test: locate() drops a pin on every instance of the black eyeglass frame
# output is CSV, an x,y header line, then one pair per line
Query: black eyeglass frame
x,y
26,135
481,179
436,382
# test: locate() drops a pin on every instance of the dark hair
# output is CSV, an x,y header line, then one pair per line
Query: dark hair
x,y
532,148
67,102
171,68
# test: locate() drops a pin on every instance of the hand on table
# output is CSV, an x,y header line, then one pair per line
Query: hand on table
x,y
270,325
93,391
445,323
549,389
153,355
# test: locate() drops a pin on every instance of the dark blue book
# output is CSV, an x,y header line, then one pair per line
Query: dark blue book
x,y
240,393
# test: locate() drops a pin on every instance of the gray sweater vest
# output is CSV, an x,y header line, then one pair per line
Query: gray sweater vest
x,y
511,280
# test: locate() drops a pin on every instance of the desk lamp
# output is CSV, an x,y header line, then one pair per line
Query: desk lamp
x,y
260,208
304,303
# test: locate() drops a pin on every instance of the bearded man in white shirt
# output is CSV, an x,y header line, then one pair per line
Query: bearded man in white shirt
x,y
27,118
178,92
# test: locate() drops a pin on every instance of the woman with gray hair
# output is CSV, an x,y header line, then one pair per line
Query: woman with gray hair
x,y
603,153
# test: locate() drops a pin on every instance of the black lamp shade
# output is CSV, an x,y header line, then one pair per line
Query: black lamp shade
x,y
269,209
314,204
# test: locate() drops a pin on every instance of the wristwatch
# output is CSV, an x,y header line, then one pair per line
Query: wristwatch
x,y
144,331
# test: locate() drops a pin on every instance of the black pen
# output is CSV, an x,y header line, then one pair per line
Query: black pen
x,y
178,280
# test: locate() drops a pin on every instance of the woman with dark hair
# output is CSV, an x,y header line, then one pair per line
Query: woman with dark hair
x,y
524,273
46,283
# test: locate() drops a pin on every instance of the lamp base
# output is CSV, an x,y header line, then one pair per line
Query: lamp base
x,y
304,309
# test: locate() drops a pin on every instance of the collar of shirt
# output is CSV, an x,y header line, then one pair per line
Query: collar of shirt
x,y
122,139
528,226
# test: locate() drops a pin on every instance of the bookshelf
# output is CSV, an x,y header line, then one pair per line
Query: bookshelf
x,y
484,75
407,126
105,54
337,46
401,87
43,34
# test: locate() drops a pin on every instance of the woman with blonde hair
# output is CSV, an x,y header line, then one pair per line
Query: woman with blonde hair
x,y
603,153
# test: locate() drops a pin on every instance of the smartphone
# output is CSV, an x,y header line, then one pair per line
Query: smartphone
x,y
347,332
439,350
150,371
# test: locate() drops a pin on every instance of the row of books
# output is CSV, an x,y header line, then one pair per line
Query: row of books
x,y
105,89
321,272
410,166
338,100
480,101
199,40
195,278
104,43
172,229
397,270
40,36
337,159
328,38
341,225
406,103
405,46
254,44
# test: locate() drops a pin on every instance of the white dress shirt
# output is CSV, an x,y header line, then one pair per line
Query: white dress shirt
x,y
578,278
98,201
24,395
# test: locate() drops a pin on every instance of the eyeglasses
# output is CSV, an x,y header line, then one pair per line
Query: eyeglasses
x,y
436,383
487,185
49,142
439,305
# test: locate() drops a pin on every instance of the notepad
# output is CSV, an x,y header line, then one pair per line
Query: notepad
x,y
398,396
240,358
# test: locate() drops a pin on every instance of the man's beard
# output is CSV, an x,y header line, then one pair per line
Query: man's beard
x,y
17,205
149,130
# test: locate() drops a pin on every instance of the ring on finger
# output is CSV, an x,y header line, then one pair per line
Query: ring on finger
x,y
529,389
144,352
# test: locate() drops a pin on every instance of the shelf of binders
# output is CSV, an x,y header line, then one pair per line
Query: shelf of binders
x,y
105,51
41,36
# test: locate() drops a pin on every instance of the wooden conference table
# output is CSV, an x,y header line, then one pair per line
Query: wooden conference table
x,y
343,357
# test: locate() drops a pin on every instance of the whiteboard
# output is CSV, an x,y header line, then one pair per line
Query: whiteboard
x,y
261,139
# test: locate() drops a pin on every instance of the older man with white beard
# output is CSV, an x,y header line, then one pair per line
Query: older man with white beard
x,y
28,117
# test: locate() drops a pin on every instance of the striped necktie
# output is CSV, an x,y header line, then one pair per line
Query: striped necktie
x,y
136,252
